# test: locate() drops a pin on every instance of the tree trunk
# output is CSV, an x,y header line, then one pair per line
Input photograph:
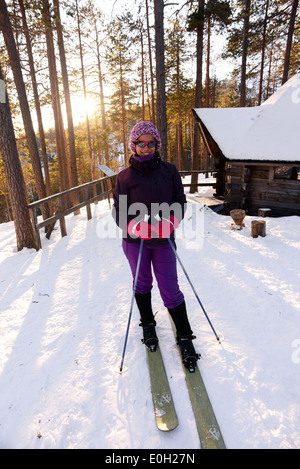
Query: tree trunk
x,y
102,105
268,87
36,98
9,218
263,51
289,41
198,103
161,113
59,129
143,76
258,228
5,27
150,65
92,159
64,71
207,84
179,142
244,53
179,146
264,212
124,116
14,178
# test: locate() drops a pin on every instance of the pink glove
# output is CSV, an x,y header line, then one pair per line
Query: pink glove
x,y
166,226
140,229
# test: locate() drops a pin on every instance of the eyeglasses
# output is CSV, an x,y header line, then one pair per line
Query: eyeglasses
x,y
143,144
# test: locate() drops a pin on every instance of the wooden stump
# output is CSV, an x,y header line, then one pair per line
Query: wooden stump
x,y
264,212
258,228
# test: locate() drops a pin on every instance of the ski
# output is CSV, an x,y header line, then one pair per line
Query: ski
x,y
165,413
206,422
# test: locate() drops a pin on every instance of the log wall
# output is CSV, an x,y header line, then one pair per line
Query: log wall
x,y
253,186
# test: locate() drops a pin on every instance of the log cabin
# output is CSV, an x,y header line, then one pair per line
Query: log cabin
x,y
256,152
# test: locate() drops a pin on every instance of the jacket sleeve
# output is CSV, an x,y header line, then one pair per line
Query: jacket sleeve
x,y
116,205
121,200
178,192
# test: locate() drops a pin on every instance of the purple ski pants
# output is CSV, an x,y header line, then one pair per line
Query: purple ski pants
x,y
163,261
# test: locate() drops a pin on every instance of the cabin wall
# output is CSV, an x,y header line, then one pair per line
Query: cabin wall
x,y
218,160
254,186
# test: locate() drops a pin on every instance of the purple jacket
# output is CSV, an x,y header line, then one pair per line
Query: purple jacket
x,y
151,183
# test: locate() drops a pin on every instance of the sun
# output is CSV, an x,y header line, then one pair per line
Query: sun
x,y
80,107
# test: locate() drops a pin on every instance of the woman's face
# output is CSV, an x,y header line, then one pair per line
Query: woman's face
x,y
146,151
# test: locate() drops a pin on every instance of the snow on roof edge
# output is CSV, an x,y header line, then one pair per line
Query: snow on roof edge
x,y
256,133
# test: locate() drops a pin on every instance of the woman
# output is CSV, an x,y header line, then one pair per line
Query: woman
x,y
149,203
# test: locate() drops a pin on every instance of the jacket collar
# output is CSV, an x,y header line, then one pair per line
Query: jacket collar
x,y
145,166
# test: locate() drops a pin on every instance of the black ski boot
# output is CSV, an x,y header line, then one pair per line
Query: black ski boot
x,y
148,323
149,336
184,336
188,352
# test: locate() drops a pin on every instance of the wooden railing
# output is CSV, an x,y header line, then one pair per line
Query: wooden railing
x,y
70,201
199,184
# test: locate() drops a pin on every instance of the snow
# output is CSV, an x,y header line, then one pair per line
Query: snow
x,y
64,312
269,132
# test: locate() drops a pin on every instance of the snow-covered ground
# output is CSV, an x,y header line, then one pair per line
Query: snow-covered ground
x,y
63,316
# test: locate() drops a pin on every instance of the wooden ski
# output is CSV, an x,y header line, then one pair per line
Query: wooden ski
x,y
165,413
206,422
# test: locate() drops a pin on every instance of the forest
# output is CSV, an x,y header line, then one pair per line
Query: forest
x,y
76,75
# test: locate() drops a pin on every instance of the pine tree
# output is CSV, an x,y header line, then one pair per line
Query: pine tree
x,y
161,106
288,48
120,63
36,96
65,78
244,52
94,38
14,177
83,78
152,113
5,211
197,23
177,54
5,27
55,97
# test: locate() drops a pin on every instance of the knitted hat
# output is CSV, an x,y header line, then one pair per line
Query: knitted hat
x,y
142,128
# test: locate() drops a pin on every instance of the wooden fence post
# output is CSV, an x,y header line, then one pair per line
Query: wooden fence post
x,y
62,220
35,229
63,208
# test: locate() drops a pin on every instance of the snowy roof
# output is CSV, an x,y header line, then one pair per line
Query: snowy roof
x,y
270,132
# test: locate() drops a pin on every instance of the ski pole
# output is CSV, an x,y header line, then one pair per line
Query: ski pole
x,y
132,301
189,280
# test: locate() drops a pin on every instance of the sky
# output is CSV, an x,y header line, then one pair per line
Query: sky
x,y
113,7
220,68
110,8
